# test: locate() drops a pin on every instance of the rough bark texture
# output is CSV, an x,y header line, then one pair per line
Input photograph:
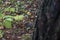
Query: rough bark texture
x,y
48,20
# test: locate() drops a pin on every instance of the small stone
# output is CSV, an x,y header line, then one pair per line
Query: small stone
x,y
18,37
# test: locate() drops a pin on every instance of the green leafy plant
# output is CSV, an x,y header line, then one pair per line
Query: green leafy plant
x,y
6,9
12,9
7,23
8,20
19,17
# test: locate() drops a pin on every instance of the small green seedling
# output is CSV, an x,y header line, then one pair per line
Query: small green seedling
x,y
19,17
6,9
12,9
7,16
7,23
7,20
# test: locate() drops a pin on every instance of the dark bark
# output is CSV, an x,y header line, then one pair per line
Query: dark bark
x,y
48,21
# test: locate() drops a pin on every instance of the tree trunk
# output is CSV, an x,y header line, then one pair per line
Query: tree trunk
x,y
48,20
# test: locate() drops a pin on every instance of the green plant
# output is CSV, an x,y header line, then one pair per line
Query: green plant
x,y
7,23
12,9
1,14
26,37
1,33
6,9
19,17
